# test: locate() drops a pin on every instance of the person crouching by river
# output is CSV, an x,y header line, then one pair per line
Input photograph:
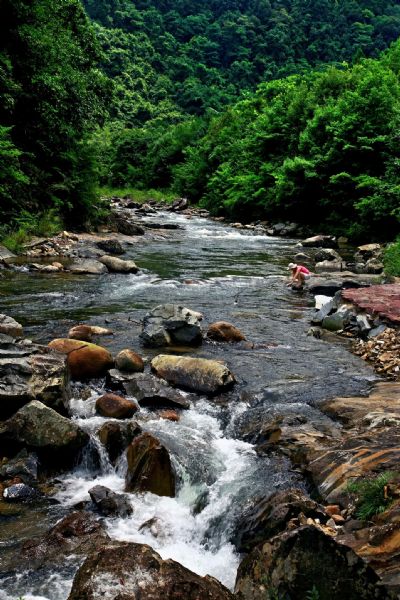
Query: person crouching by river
x,y
299,276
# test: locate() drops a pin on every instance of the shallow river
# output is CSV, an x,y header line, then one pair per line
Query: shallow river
x,y
227,275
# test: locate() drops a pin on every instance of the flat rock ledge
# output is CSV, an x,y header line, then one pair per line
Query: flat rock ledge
x,y
379,300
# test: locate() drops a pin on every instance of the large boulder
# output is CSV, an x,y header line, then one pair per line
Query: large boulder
x,y
87,266
30,372
327,254
271,515
155,392
368,251
10,326
328,266
221,331
110,246
109,503
118,265
129,361
55,439
149,467
85,360
196,374
116,437
320,241
78,533
293,563
115,407
128,571
170,324
128,227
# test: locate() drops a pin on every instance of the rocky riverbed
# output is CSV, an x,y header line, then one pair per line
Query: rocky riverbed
x,y
174,431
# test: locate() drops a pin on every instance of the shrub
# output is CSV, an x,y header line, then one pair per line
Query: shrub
x,y
391,259
371,498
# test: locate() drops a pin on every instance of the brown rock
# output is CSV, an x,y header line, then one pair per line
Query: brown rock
x,y
85,333
115,407
128,571
128,360
332,509
169,415
85,360
149,467
221,331
116,437
338,519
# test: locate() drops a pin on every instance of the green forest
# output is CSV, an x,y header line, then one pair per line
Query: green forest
x,y
255,109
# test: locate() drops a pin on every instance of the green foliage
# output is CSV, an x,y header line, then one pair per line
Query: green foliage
x,y
26,225
370,495
53,94
313,594
391,259
142,196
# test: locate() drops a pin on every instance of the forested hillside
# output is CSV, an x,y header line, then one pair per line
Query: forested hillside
x,y
52,96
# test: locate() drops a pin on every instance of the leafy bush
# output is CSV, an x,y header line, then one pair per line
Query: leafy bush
x,y
370,495
26,225
391,259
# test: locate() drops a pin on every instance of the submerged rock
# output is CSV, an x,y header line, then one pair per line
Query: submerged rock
x,y
170,324
85,360
56,440
128,571
149,467
109,503
196,374
221,331
294,562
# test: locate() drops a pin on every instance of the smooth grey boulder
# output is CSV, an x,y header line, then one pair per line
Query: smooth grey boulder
x,y
154,392
56,440
328,266
109,503
338,319
118,265
171,324
320,241
323,312
199,375
88,266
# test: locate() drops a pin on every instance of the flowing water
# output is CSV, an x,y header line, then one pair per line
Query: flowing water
x,y
227,275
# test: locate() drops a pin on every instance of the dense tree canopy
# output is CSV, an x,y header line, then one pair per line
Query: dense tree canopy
x,y
52,95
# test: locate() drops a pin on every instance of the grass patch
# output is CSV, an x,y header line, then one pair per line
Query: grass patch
x,y
139,195
371,495
391,259
27,225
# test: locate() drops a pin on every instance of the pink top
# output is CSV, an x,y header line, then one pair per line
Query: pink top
x,y
302,269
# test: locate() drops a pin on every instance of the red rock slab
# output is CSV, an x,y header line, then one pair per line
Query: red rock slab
x,y
382,300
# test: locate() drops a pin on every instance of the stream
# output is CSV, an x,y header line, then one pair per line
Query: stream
x,y
226,274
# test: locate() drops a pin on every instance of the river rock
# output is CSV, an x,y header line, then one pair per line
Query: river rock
x,y
118,265
340,318
149,467
110,246
368,251
56,440
128,227
5,254
327,254
179,204
328,266
79,533
24,466
324,311
221,331
87,266
380,300
116,437
130,361
320,241
85,333
109,503
30,372
10,326
85,360
199,375
169,415
154,392
270,516
128,571
294,562
116,407
170,324
20,492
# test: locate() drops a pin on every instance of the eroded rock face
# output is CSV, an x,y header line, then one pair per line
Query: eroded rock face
x,y
170,324
30,372
116,407
85,360
155,392
118,265
78,533
196,374
149,467
127,571
221,331
56,440
271,515
293,562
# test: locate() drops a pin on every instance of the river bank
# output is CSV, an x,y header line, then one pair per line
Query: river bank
x,y
231,450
